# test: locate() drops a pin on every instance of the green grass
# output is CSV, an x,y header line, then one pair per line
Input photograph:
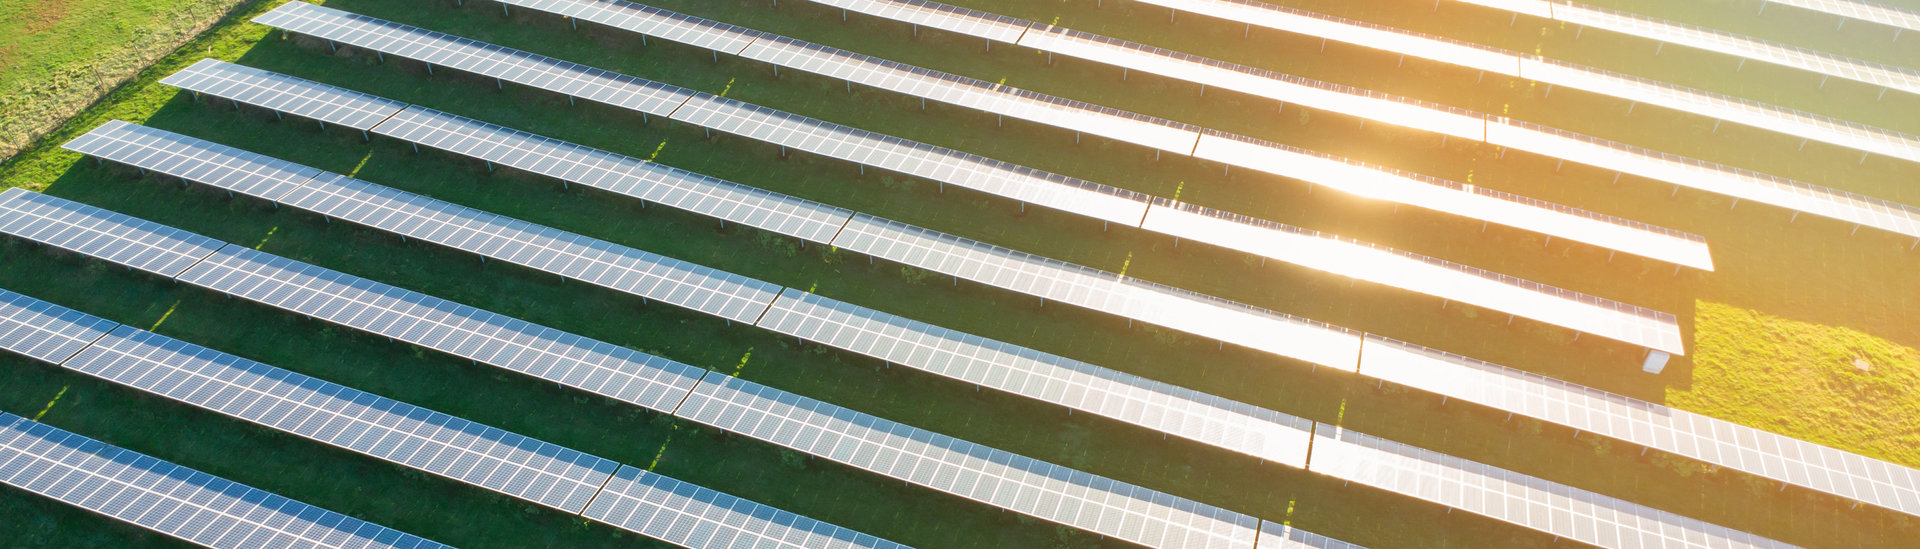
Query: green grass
x,y
1801,379
1809,270
58,56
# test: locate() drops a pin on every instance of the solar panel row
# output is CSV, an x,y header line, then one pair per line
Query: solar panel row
x,y
1443,279
561,478
176,501
1706,176
503,342
1542,505
269,90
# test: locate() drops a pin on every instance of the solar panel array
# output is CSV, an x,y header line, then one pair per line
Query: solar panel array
x,y
44,331
687,515
1861,10
410,436
726,200
817,224
174,500
1497,130
1198,314
310,290
120,239
1155,133
338,416
1092,503
1178,411
271,90
1683,433
1546,506
1552,305
648,381
498,341
1235,426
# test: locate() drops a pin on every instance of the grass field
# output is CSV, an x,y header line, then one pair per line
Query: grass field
x,y
1807,281
58,56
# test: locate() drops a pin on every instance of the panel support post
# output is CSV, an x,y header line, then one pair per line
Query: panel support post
x,y
333,46
380,56
365,137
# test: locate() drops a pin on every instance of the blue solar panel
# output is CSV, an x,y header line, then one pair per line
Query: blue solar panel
x,y
44,331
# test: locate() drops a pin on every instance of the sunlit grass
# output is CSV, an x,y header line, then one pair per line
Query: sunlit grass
x,y
1827,384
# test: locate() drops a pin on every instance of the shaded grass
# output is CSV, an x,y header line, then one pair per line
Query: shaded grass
x,y
1800,379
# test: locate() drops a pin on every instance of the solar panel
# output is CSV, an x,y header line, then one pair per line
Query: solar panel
x,y
1683,433
650,21
284,93
687,515
174,500
1103,291
718,198
1178,411
640,273
1118,125
476,57
1280,536
1398,269
616,372
339,416
1040,489
162,151
918,159
1864,11
1519,499
127,241
995,27
44,331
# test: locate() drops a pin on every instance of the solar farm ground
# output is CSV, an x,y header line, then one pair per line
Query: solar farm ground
x,y
1838,296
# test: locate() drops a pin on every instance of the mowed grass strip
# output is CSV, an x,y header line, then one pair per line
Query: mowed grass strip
x,y
995,420
58,56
